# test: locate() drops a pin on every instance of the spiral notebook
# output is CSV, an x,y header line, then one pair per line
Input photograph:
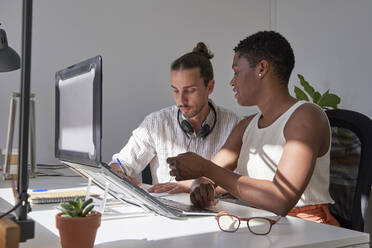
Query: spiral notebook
x,y
57,196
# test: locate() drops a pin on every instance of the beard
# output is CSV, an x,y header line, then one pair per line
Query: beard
x,y
193,111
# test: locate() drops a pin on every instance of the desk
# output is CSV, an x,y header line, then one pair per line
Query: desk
x,y
120,230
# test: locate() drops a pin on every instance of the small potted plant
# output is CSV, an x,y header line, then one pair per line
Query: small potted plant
x,y
77,223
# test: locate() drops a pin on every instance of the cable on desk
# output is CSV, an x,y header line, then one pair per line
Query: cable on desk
x,y
14,208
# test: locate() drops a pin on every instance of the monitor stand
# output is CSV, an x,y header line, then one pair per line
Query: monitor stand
x,y
100,203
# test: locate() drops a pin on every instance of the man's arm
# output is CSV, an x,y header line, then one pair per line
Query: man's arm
x,y
138,152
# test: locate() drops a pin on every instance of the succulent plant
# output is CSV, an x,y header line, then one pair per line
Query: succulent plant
x,y
76,208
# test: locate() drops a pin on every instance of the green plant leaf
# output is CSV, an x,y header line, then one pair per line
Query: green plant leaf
x,y
87,202
80,203
67,206
327,100
79,212
316,97
307,87
332,101
73,203
322,99
87,210
300,95
68,212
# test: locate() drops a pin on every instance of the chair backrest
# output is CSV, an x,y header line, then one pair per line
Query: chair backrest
x,y
351,166
146,175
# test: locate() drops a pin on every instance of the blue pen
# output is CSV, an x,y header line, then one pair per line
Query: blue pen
x,y
121,166
39,190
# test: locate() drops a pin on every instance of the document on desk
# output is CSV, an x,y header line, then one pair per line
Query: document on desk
x,y
146,188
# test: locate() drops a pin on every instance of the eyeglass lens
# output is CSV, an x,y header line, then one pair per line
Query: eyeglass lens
x,y
228,223
259,225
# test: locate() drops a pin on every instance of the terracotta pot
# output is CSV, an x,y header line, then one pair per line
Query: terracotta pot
x,y
78,232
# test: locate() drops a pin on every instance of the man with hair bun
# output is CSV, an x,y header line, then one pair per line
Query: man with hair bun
x,y
194,124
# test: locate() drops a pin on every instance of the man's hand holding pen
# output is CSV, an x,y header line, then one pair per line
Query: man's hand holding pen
x,y
118,167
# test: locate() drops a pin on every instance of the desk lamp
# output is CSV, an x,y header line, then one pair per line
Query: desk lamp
x,y
9,60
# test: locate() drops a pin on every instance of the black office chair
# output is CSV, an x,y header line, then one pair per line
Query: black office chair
x,y
351,167
146,175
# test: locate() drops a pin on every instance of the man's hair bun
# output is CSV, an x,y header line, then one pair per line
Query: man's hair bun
x,y
202,49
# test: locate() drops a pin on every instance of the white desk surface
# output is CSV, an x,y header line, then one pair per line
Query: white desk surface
x,y
120,229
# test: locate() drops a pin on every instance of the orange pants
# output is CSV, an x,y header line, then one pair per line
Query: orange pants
x,y
317,213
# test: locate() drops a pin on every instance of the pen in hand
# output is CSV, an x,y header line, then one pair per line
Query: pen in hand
x,y
121,166
132,179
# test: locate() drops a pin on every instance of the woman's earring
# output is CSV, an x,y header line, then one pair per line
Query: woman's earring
x,y
259,74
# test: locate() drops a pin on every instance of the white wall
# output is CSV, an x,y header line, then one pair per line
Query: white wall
x,y
332,44
138,40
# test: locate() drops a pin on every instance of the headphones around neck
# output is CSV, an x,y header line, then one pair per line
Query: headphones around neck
x,y
204,131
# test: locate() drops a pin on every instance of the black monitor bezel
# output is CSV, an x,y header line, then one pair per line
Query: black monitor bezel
x,y
72,71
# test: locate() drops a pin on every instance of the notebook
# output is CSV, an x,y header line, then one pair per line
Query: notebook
x,y
57,196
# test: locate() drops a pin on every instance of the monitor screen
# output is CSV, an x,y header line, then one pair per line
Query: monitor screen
x,y
78,111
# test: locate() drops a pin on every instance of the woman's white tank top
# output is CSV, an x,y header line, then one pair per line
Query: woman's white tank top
x,y
262,149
